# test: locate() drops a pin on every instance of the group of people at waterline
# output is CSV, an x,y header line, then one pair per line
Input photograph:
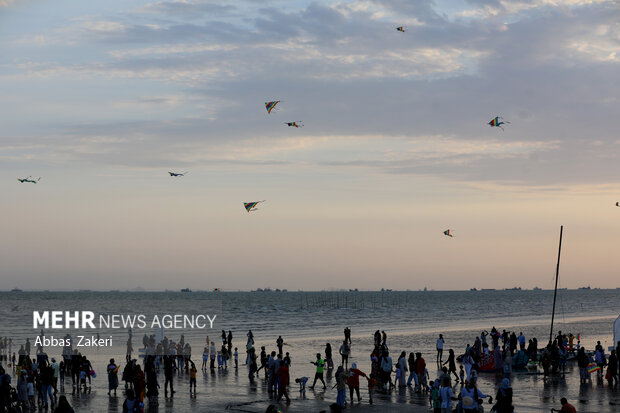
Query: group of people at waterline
x,y
40,378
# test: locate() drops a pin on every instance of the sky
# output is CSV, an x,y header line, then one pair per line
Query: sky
x,y
102,98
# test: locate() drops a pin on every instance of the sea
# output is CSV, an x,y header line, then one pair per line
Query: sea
x,y
307,321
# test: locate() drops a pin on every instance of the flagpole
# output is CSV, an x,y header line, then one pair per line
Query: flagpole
x,y
555,291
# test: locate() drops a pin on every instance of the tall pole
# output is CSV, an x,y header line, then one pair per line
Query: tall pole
x,y
555,291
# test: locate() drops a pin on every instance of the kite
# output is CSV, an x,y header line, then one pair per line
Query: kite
x,y
592,367
401,29
295,124
270,105
497,122
177,174
251,206
447,232
32,181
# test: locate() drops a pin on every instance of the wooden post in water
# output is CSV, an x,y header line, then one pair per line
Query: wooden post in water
x,y
555,291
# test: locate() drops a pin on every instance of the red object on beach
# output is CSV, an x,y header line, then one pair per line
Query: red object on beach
x,y
487,362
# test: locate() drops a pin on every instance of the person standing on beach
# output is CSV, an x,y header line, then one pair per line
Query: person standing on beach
x,y
192,378
47,381
446,394
344,353
402,365
253,366
521,339
440,343
612,370
249,345
582,362
347,335
341,386
212,354
503,398
56,369
354,381
112,377
271,365
412,373
328,356
386,370
168,369
279,344
5,390
320,367
205,357
229,339
283,378
420,369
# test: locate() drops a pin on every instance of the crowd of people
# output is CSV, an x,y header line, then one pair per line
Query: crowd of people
x,y
39,379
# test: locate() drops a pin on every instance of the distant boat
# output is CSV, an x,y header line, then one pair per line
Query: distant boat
x,y
585,288
488,289
186,290
16,290
513,289
473,289
537,289
216,290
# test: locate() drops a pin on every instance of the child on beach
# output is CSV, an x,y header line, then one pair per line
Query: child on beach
x,y
61,366
302,385
205,357
82,379
372,383
462,374
219,360
236,358
30,387
398,378
192,378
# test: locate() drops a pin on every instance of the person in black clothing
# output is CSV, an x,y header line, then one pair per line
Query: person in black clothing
x,y
328,356
168,368
152,386
613,368
63,406
451,364
47,381
347,335
280,343
503,399
582,362
263,361
5,389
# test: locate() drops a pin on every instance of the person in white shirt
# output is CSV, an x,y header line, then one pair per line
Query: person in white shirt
x,y
440,343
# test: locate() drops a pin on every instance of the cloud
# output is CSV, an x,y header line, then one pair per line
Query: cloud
x,y
343,70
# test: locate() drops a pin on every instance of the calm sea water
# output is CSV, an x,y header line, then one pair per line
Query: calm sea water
x,y
307,315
